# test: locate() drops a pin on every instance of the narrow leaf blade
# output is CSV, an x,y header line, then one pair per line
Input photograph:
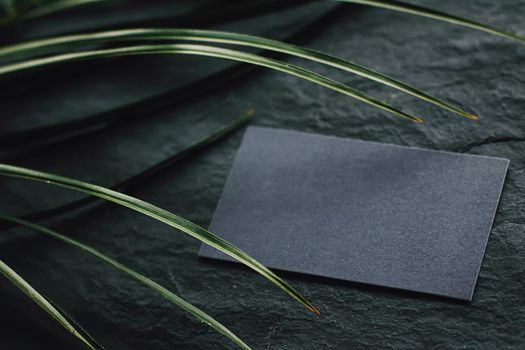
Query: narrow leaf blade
x,y
211,51
71,41
438,15
145,174
175,299
41,301
159,214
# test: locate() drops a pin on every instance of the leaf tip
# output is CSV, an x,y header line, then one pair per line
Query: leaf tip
x,y
314,310
250,113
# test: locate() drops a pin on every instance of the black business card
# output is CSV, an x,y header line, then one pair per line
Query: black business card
x,y
360,211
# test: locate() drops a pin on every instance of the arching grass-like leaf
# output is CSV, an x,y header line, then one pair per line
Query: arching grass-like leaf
x,y
159,214
434,14
16,142
41,301
210,51
137,178
70,42
157,288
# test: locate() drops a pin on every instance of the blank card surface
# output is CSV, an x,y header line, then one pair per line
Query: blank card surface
x,y
360,211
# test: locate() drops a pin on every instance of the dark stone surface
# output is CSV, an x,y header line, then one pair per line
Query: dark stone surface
x,y
483,73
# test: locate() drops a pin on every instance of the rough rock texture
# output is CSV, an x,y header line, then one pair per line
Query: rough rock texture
x,y
482,73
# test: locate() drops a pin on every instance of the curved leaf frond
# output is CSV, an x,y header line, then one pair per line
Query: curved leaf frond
x,y
438,15
71,41
210,51
121,186
175,299
49,133
159,214
41,301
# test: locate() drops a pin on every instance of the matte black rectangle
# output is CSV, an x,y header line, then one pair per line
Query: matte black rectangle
x,y
361,211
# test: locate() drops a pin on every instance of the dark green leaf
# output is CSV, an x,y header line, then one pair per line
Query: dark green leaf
x,y
210,51
129,182
441,16
69,43
160,215
41,301
175,299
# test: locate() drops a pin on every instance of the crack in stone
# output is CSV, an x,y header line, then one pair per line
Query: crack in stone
x,y
490,141
271,332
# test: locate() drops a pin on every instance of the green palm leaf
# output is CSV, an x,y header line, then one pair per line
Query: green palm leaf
x,y
175,299
210,51
41,301
159,214
441,16
71,41
191,149
122,186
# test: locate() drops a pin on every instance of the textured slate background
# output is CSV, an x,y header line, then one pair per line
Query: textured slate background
x,y
483,73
